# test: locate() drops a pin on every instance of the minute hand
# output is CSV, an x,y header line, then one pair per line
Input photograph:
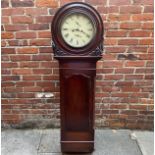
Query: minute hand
x,y
85,33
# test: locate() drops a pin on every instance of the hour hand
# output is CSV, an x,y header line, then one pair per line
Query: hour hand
x,y
77,23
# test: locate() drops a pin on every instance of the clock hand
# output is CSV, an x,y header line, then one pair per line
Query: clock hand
x,y
77,23
77,35
75,30
85,33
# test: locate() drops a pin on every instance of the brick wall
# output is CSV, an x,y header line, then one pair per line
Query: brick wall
x,y
30,75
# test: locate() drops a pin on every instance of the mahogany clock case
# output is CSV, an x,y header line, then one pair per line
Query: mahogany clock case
x,y
77,69
68,9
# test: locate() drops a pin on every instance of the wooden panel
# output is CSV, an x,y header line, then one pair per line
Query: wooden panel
x,y
76,105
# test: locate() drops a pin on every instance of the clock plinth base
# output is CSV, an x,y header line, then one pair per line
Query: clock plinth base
x,y
77,147
77,141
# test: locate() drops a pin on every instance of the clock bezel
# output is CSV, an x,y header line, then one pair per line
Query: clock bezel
x,y
91,13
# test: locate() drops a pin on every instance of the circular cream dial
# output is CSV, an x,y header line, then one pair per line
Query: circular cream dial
x,y
77,30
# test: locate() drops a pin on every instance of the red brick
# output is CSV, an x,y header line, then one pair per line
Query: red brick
x,y
118,106
10,78
21,71
117,124
15,27
142,17
44,19
32,89
42,71
41,58
25,35
146,56
130,9
113,77
5,72
150,50
12,89
148,25
137,49
135,64
5,58
133,77
149,64
8,84
40,42
31,78
143,2
36,11
20,58
149,77
146,41
130,89
97,2
38,26
5,20
19,3
25,95
45,50
47,3
124,83
116,33
110,111
22,20
114,64
110,41
24,83
115,49
29,64
9,65
8,50
10,117
130,25
18,42
7,35
115,17
111,25
129,112
27,50
62,2
49,64
119,2
106,70
45,84
4,3
124,70
46,34
110,9
110,89
109,56
51,77
140,34
149,9
144,70
11,12
127,42
3,43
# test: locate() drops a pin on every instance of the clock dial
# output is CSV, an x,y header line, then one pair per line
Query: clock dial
x,y
77,30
